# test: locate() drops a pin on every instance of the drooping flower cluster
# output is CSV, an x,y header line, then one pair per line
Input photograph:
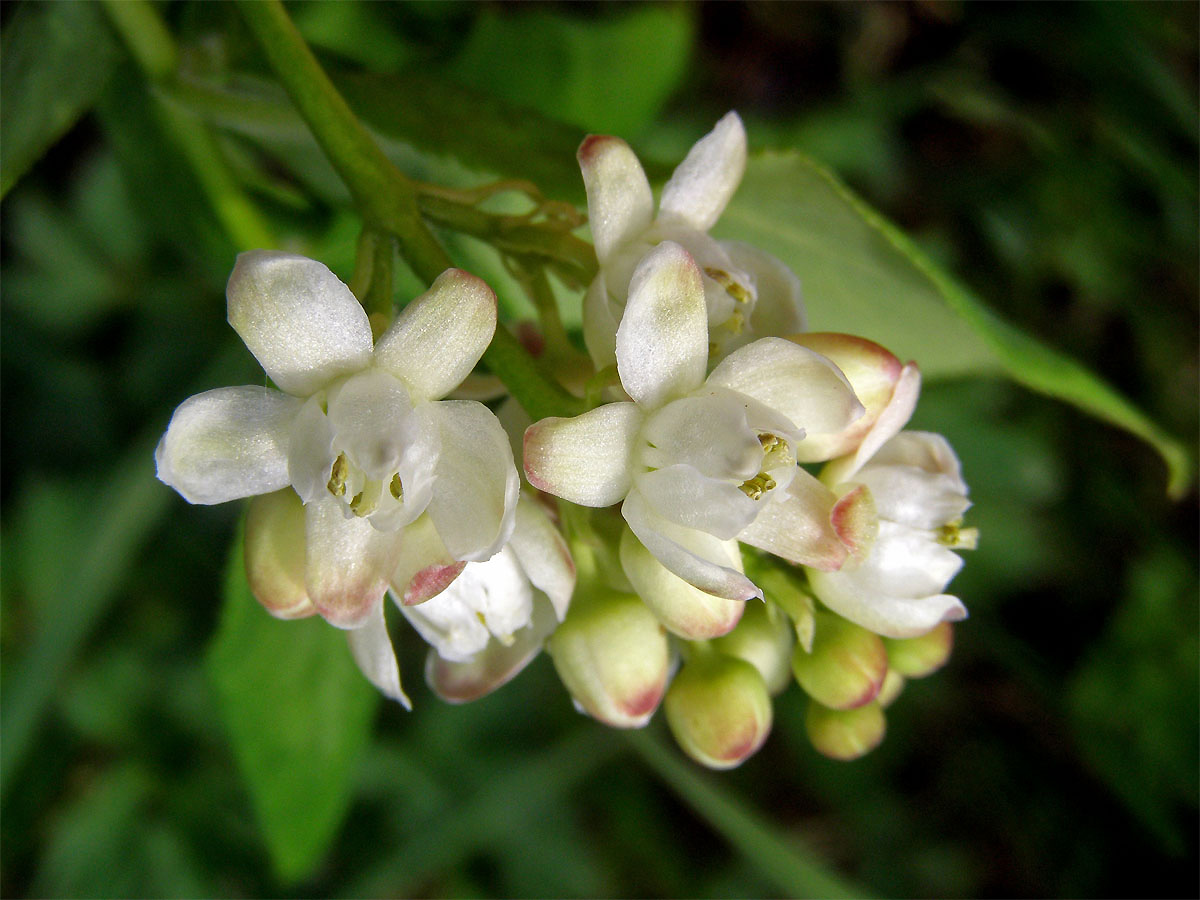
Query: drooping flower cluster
x,y
671,547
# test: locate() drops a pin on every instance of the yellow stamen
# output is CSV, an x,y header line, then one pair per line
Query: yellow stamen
x,y
757,486
725,280
337,476
396,487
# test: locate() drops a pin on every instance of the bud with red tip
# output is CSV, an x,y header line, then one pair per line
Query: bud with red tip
x,y
847,664
718,709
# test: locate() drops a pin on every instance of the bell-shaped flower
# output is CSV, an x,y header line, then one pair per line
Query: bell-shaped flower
x,y
901,560
392,478
748,293
694,461
492,619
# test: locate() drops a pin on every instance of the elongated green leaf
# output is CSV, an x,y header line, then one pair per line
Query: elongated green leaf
x,y
862,275
54,62
298,713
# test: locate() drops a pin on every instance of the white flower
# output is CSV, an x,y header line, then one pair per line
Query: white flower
x,y
491,621
747,293
695,461
892,582
398,486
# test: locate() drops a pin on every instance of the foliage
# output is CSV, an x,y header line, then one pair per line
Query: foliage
x,y
1056,754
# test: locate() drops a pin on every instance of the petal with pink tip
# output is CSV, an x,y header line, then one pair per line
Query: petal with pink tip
x,y
274,554
347,563
585,459
620,205
439,337
300,322
796,525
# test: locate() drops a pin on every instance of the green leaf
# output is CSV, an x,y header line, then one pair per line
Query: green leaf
x,y
298,713
862,275
603,73
54,62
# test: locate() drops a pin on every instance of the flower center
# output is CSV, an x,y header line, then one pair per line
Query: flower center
x,y
365,494
775,453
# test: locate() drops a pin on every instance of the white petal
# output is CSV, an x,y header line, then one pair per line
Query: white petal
x,y
924,450
600,321
620,205
347,563
543,554
894,417
682,495
703,561
708,432
372,421
703,183
475,495
439,337
274,554
905,562
585,459
372,650
310,451
793,380
300,322
662,341
779,309
493,666
227,444
684,610
914,497
424,567
796,525
890,616
489,599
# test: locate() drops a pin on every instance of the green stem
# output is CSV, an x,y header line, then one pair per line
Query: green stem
x,y
144,34
384,195
535,390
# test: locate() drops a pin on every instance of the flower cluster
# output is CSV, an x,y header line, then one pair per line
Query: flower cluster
x,y
670,547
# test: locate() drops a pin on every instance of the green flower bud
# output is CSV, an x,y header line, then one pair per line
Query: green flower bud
x,y
921,656
719,710
845,734
847,664
612,655
763,638
893,685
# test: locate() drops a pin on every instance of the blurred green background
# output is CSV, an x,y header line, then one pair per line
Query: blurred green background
x,y
1044,153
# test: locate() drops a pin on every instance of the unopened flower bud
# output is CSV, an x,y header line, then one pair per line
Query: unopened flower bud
x,y
764,638
921,656
847,664
612,655
893,685
845,734
719,710
879,380
274,553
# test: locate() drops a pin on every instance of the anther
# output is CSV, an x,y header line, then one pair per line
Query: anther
x,y
396,487
337,476
725,280
757,486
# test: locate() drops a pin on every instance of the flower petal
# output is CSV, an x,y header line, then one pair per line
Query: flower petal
x,y
684,496
227,444
310,450
600,321
300,322
620,205
371,416
707,432
439,337
684,610
702,184
906,562
347,563
894,417
703,561
373,651
793,380
274,554
890,616
585,459
662,341
779,308
796,525
424,567
475,495
543,554
493,666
